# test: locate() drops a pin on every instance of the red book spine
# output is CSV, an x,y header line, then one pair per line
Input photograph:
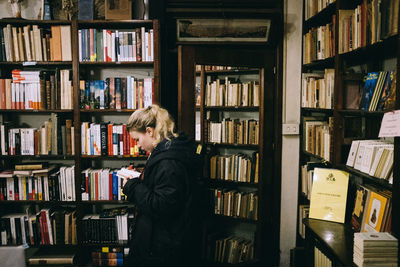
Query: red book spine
x,y
45,231
110,186
110,139
41,229
3,188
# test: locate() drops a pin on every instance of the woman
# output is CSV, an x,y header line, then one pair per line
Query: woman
x,y
165,231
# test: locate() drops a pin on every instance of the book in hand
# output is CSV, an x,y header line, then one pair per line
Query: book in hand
x,y
126,173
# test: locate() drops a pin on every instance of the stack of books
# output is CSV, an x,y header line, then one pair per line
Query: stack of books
x,y
375,249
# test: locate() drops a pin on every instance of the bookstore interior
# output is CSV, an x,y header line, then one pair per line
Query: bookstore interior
x,y
291,106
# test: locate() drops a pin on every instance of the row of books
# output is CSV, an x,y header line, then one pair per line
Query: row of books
x,y
101,184
116,93
378,249
368,23
235,203
320,259
307,175
317,136
379,91
233,131
229,92
47,227
304,211
51,138
31,43
237,167
312,7
372,210
373,157
231,249
37,90
107,256
319,43
47,184
214,67
110,226
317,90
107,139
115,45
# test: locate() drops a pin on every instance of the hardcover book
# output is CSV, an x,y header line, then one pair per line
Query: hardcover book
x,y
85,10
369,89
375,211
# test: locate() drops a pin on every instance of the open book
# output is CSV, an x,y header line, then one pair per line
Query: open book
x,y
126,173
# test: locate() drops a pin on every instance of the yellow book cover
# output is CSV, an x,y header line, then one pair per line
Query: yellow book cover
x,y
375,212
329,194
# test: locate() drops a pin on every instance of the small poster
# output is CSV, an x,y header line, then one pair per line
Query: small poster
x,y
329,195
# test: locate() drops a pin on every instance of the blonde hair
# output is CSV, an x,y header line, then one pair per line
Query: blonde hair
x,y
155,117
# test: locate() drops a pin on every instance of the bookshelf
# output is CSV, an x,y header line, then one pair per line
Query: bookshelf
x,y
197,79
351,62
97,69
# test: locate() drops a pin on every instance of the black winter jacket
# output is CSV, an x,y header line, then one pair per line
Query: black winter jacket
x,y
166,231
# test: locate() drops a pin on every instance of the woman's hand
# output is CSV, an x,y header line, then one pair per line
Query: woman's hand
x,y
126,175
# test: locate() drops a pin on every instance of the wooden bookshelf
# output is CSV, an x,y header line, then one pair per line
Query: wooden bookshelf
x,y
260,61
218,182
30,111
77,70
108,111
335,240
146,64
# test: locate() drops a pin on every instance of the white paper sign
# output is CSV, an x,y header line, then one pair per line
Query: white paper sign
x,y
390,126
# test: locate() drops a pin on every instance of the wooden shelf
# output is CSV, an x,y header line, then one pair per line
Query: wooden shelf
x,y
380,50
313,155
362,113
336,237
91,202
231,183
233,145
125,64
50,64
254,262
235,219
320,64
321,18
45,111
228,72
109,111
111,24
95,245
372,179
51,202
58,246
118,157
41,157
317,110
31,21
235,108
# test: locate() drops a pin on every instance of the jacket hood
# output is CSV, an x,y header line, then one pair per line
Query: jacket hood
x,y
179,148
